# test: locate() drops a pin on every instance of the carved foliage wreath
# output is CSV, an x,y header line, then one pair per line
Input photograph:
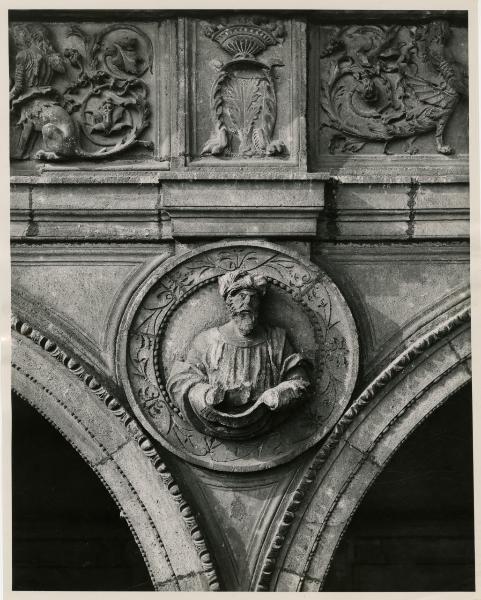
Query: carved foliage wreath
x,y
142,369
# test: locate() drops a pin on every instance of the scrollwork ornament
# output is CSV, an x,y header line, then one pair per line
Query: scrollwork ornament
x,y
387,83
166,320
106,106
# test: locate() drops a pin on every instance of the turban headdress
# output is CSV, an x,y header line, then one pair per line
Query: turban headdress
x,y
238,280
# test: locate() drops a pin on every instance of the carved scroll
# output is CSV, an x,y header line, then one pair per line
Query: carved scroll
x,y
86,103
387,83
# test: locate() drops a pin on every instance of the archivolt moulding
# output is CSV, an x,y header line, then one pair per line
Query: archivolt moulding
x,y
111,441
314,517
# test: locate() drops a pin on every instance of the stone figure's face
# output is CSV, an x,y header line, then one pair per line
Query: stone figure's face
x,y
244,305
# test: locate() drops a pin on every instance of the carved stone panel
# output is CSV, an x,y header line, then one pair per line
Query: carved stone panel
x,y
389,88
247,391
243,89
84,91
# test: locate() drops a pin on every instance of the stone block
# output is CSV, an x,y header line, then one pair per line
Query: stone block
x,y
445,226
329,482
371,197
442,197
19,198
95,212
265,95
243,208
336,524
287,581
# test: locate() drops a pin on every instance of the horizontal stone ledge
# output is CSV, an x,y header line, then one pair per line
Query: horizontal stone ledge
x,y
393,230
345,169
262,208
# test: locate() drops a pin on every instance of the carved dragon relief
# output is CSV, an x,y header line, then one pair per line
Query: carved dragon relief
x,y
243,98
105,106
386,83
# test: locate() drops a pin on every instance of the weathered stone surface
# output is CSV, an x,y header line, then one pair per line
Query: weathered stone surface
x,y
395,211
266,209
206,127
356,107
179,301
404,288
85,287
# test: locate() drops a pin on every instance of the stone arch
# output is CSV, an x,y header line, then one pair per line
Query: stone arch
x,y
112,443
336,479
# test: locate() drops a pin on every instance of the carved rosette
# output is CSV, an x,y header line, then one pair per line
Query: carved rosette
x,y
180,299
243,98
88,100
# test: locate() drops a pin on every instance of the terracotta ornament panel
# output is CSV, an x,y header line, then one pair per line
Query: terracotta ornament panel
x,y
247,393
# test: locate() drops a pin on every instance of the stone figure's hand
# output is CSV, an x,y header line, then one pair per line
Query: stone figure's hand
x,y
270,398
204,396
215,395
284,394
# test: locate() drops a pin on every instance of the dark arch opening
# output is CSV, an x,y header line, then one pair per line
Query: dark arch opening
x,y
67,531
414,530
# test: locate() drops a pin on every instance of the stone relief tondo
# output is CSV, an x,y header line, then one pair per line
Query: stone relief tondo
x,y
243,98
387,83
87,101
238,357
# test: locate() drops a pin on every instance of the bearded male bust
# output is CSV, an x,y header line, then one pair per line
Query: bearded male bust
x,y
238,379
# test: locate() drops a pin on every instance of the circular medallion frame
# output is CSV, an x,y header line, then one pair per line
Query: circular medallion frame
x,y
179,299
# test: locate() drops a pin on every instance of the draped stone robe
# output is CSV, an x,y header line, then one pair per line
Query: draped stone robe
x,y
244,367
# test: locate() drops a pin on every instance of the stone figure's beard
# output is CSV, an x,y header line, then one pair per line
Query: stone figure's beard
x,y
246,321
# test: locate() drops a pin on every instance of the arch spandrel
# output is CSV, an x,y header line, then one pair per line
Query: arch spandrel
x,y
374,427
111,442
154,152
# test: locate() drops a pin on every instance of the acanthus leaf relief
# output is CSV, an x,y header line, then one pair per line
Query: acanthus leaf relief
x,y
243,97
388,83
89,101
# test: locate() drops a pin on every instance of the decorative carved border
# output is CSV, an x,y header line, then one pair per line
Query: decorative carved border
x,y
97,472
380,382
133,427
352,476
179,279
